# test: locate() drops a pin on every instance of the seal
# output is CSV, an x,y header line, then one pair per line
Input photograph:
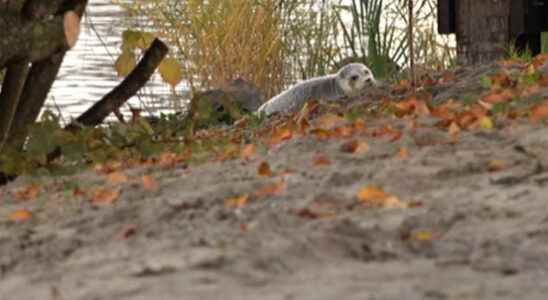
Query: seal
x,y
350,81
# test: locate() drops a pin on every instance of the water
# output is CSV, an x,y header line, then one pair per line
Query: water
x,y
88,73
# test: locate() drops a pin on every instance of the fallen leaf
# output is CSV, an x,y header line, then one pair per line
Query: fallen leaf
x,y
149,183
539,112
358,147
447,77
30,192
403,152
126,232
423,235
321,160
237,202
454,129
496,165
248,151
272,189
375,196
104,195
486,122
20,215
329,121
117,177
264,169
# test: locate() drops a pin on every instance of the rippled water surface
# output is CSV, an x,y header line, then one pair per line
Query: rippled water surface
x,y
87,72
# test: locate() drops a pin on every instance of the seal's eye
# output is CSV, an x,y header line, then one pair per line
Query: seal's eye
x,y
354,77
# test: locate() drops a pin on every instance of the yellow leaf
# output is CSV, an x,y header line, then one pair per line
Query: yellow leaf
x,y
486,122
171,71
423,235
125,63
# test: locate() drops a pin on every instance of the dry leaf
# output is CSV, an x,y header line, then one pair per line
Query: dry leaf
x,y
149,183
117,177
403,152
454,129
375,196
358,147
237,202
272,189
104,195
321,160
496,165
30,192
20,215
248,151
264,169
539,112
329,121
423,235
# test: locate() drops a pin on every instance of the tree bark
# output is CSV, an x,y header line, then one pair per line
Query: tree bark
x,y
34,40
42,73
11,93
482,28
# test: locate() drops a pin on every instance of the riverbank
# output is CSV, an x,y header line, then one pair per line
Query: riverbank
x,y
345,205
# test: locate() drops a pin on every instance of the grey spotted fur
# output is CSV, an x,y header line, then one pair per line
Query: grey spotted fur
x,y
349,81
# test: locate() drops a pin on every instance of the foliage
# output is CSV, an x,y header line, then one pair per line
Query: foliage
x,y
379,48
218,41
168,141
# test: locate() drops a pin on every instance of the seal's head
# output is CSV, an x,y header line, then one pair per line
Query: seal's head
x,y
354,78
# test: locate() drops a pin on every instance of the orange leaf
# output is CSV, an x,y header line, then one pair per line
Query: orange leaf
x,y
499,97
237,202
375,196
403,152
329,121
279,135
149,183
354,146
20,215
117,177
104,195
248,151
30,192
272,189
321,160
264,169
372,194
539,112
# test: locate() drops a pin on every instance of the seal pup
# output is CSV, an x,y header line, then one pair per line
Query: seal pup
x,y
349,81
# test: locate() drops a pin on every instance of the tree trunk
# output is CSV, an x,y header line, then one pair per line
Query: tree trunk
x,y
482,28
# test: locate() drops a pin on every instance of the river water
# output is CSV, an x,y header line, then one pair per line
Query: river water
x,y
87,73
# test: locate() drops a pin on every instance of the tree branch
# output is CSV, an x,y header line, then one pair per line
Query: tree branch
x,y
126,89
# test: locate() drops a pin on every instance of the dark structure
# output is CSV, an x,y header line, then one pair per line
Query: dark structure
x,y
485,28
